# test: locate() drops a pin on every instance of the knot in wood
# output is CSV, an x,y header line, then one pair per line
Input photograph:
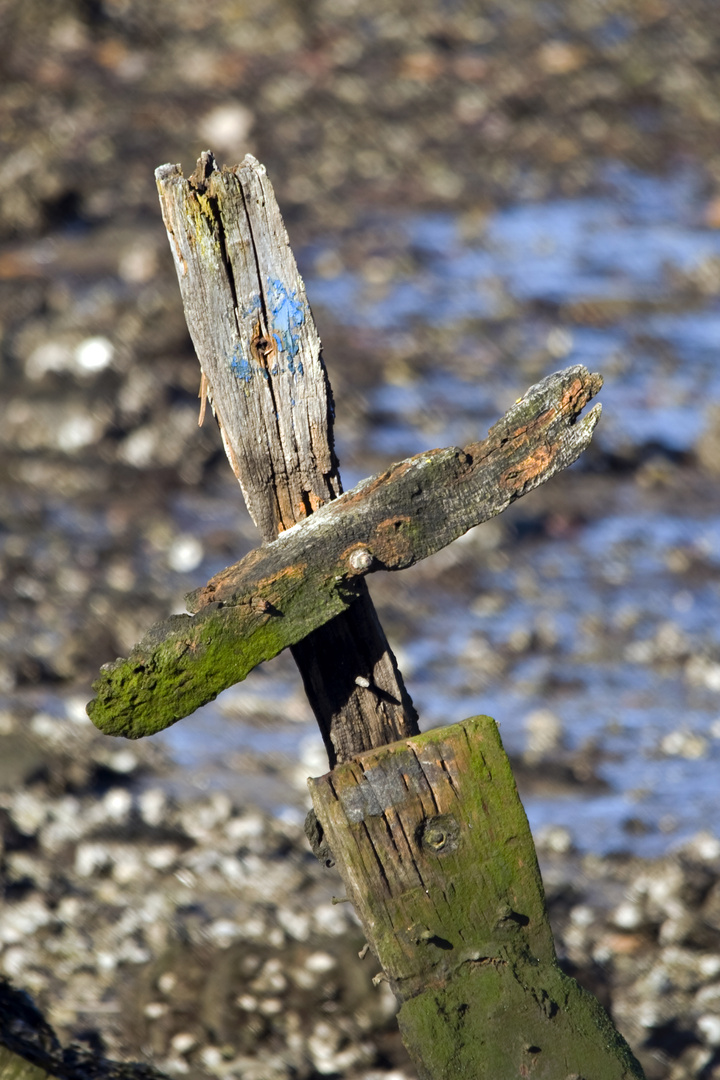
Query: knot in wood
x,y
360,561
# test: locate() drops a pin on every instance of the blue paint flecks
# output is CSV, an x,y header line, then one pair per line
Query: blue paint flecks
x,y
240,366
288,317
253,306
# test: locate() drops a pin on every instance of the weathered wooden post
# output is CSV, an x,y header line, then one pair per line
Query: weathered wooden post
x,y
427,830
262,371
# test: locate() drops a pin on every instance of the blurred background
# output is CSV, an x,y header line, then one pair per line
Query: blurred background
x,y
477,195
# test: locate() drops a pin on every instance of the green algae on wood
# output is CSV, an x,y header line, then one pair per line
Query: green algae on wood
x,y
186,660
279,593
434,847
15,1067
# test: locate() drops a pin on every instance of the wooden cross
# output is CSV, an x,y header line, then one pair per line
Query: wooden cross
x,y
427,830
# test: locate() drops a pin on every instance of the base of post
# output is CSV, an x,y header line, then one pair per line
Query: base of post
x,y
498,1021
434,847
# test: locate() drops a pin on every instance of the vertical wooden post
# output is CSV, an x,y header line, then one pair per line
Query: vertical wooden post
x,y
263,374
433,845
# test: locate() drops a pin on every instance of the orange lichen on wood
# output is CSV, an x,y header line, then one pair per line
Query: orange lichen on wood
x,y
533,465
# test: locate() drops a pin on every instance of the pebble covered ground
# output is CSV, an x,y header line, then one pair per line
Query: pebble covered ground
x,y
159,920
201,936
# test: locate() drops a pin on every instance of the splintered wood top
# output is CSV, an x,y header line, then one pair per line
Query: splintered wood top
x,y
254,336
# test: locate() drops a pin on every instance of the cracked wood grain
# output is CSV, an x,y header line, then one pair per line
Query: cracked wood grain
x,y
254,336
282,591
435,851
263,375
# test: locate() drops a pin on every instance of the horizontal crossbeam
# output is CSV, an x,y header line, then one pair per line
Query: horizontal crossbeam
x,y
283,590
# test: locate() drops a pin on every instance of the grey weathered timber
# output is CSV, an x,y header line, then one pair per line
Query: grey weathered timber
x,y
433,845
33,1064
428,832
282,591
30,1049
263,373
254,336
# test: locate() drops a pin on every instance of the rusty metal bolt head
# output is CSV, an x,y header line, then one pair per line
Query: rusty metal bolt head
x,y
440,834
360,561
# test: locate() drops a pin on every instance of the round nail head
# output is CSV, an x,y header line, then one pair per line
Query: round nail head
x,y
361,560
